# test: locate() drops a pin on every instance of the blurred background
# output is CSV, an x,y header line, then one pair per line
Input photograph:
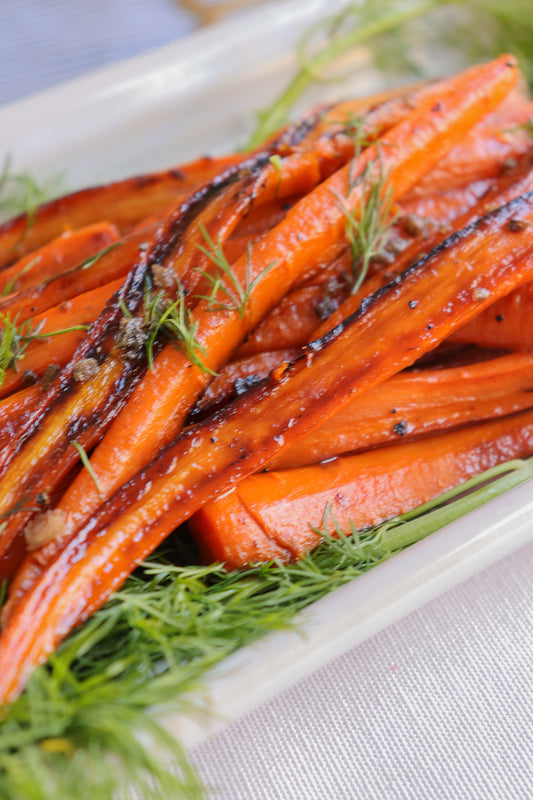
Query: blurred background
x,y
46,42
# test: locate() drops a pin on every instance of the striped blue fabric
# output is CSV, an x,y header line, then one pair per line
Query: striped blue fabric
x,y
46,42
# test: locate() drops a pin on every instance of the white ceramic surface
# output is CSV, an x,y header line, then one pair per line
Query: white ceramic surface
x,y
195,97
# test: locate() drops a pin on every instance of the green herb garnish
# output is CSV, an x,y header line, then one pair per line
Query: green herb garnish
x,y
83,718
84,458
227,292
392,30
21,194
15,338
91,260
174,322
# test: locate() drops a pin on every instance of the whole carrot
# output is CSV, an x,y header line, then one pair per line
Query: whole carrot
x,y
408,405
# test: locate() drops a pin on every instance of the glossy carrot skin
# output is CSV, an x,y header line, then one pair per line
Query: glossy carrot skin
x,y
313,231
284,514
417,403
408,405
507,323
416,311
487,150
59,255
14,410
124,203
114,264
56,350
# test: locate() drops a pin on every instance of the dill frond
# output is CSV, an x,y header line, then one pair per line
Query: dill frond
x,y
91,260
21,194
393,31
174,322
84,458
154,640
11,285
227,291
15,338
367,230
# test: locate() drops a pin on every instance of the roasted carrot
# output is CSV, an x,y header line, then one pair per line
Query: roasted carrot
x,y
59,331
416,403
489,148
124,203
408,405
416,312
507,323
111,265
59,255
284,514
43,453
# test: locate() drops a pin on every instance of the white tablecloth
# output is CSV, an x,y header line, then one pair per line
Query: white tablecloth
x,y
440,704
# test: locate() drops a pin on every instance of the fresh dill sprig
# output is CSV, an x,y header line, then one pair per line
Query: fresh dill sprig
x,y
174,322
225,283
83,717
367,230
91,260
393,30
11,285
355,25
15,338
84,458
21,194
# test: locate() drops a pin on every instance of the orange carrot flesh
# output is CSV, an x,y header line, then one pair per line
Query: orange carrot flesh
x,y
507,323
432,298
283,514
414,404
124,203
59,255
56,349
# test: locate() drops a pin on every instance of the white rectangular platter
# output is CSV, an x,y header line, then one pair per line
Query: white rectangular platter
x,y
200,96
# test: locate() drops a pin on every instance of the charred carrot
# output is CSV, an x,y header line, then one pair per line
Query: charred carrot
x,y
52,337
124,203
313,230
416,403
285,514
407,405
416,312
60,255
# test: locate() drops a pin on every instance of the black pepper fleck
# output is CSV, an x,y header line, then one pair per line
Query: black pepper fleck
x,y
400,428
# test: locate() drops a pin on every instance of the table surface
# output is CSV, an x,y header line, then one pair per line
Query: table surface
x,y
438,705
